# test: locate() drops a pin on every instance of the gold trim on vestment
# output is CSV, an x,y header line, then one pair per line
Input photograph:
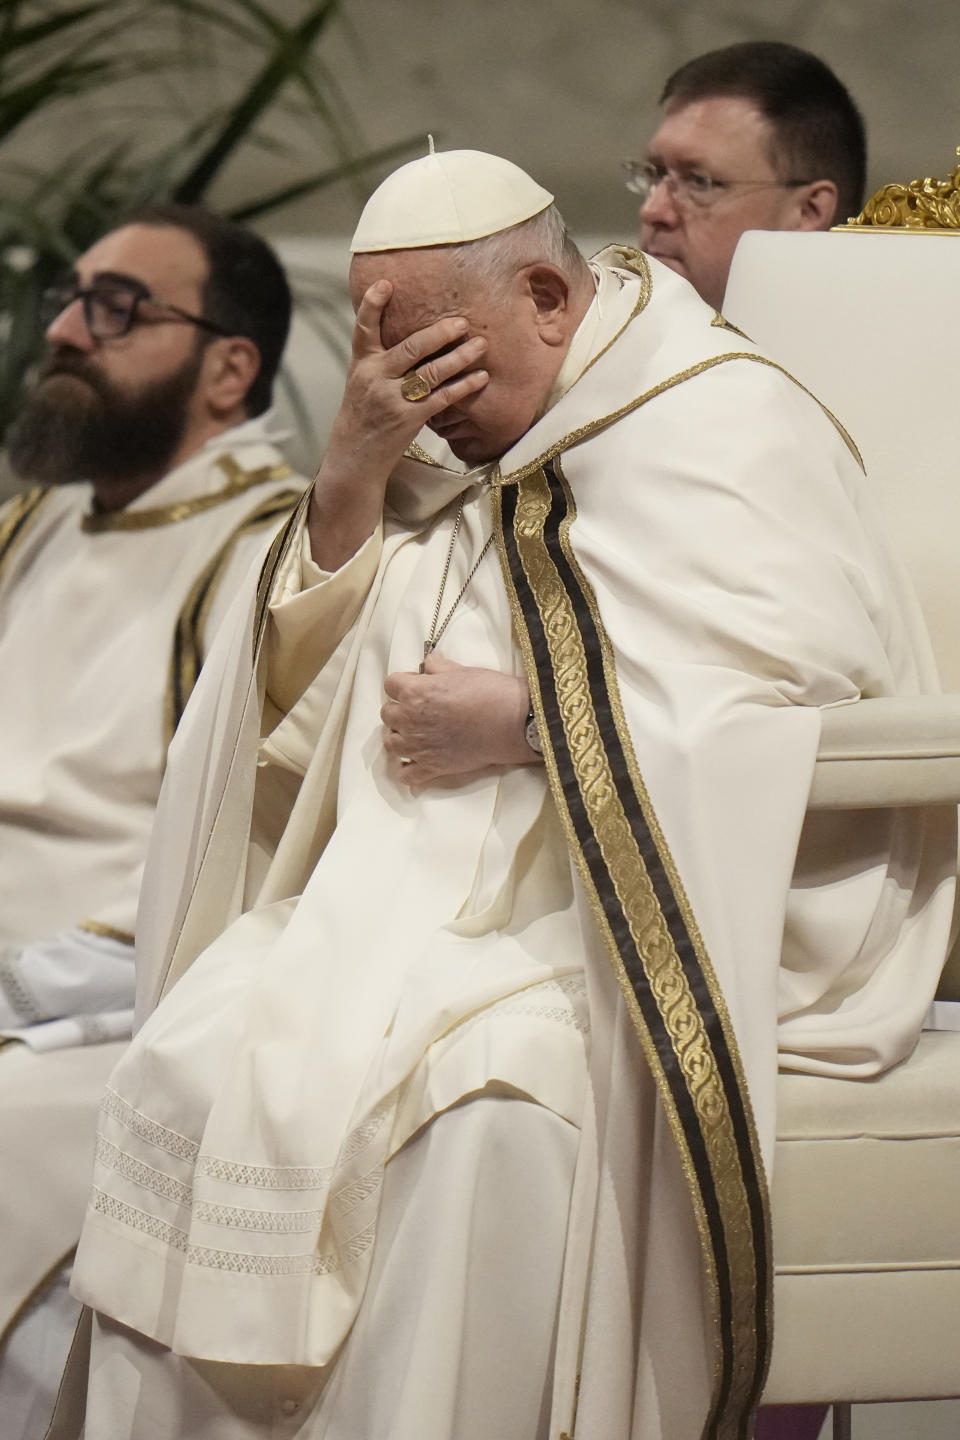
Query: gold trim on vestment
x,y
279,549
637,262
720,322
109,932
668,982
238,480
838,425
415,451
19,515
681,1012
187,658
593,427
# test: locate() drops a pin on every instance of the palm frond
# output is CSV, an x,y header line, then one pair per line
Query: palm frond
x,y
13,39
254,209
203,82
284,60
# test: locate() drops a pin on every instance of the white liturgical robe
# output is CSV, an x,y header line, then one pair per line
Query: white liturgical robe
x,y
104,622
688,572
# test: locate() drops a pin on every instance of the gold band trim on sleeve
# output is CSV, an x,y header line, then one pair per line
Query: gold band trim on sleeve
x,y
238,481
275,557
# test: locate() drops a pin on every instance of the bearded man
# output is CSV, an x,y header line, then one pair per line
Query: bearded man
x,y
159,484
452,1121
756,136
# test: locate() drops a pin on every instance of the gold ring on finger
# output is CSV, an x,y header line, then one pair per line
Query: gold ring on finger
x,y
414,386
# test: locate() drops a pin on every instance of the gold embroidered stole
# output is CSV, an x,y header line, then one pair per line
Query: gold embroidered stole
x,y
187,657
237,482
17,518
645,921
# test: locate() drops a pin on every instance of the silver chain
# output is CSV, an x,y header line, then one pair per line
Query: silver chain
x,y
433,639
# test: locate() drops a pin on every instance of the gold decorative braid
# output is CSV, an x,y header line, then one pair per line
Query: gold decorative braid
x,y
593,427
631,259
720,322
109,932
637,263
415,451
275,556
238,480
16,518
187,657
681,1018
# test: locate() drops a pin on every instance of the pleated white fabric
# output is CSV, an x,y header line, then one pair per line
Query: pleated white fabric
x,y
474,1207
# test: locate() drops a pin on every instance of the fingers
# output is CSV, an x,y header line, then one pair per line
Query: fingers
x,y
453,393
392,715
366,330
449,376
442,368
376,421
435,662
404,767
402,737
417,346
393,743
401,684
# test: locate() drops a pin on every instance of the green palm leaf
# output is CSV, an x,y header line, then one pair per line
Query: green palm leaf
x,y
253,209
286,60
168,136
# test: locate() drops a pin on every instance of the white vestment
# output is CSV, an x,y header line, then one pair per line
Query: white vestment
x,y
345,959
104,621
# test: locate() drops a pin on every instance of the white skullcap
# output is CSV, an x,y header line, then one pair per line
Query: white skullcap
x,y
447,199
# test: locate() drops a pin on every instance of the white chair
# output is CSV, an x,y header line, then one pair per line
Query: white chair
x,y
866,1194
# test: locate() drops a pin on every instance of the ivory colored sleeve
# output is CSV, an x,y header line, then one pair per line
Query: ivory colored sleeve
x,y
310,612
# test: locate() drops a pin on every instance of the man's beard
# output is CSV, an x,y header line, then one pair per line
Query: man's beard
x,y
88,428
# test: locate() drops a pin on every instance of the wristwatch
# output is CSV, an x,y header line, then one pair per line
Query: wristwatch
x,y
531,733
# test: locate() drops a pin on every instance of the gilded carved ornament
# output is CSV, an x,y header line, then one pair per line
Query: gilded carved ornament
x,y
927,206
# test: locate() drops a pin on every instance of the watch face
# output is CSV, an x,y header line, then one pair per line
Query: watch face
x,y
531,733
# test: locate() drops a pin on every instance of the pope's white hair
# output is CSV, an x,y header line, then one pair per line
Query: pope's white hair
x,y
491,263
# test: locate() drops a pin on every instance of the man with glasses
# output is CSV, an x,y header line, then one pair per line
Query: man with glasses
x,y
757,136
158,484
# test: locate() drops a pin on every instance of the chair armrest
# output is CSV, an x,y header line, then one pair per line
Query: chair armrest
x,y
891,751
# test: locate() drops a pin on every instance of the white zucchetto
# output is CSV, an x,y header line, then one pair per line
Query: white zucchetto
x,y
447,198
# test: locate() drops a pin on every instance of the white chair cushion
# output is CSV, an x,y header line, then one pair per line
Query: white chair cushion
x,y
867,1232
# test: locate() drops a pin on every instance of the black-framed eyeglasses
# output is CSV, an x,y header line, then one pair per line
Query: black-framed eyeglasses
x,y
110,308
688,187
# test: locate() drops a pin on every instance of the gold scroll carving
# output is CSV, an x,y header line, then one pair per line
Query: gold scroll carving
x,y
925,205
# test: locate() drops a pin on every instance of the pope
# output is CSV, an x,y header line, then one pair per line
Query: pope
x,y
452,1109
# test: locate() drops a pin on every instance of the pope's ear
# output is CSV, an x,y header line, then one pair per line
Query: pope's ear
x,y
549,289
